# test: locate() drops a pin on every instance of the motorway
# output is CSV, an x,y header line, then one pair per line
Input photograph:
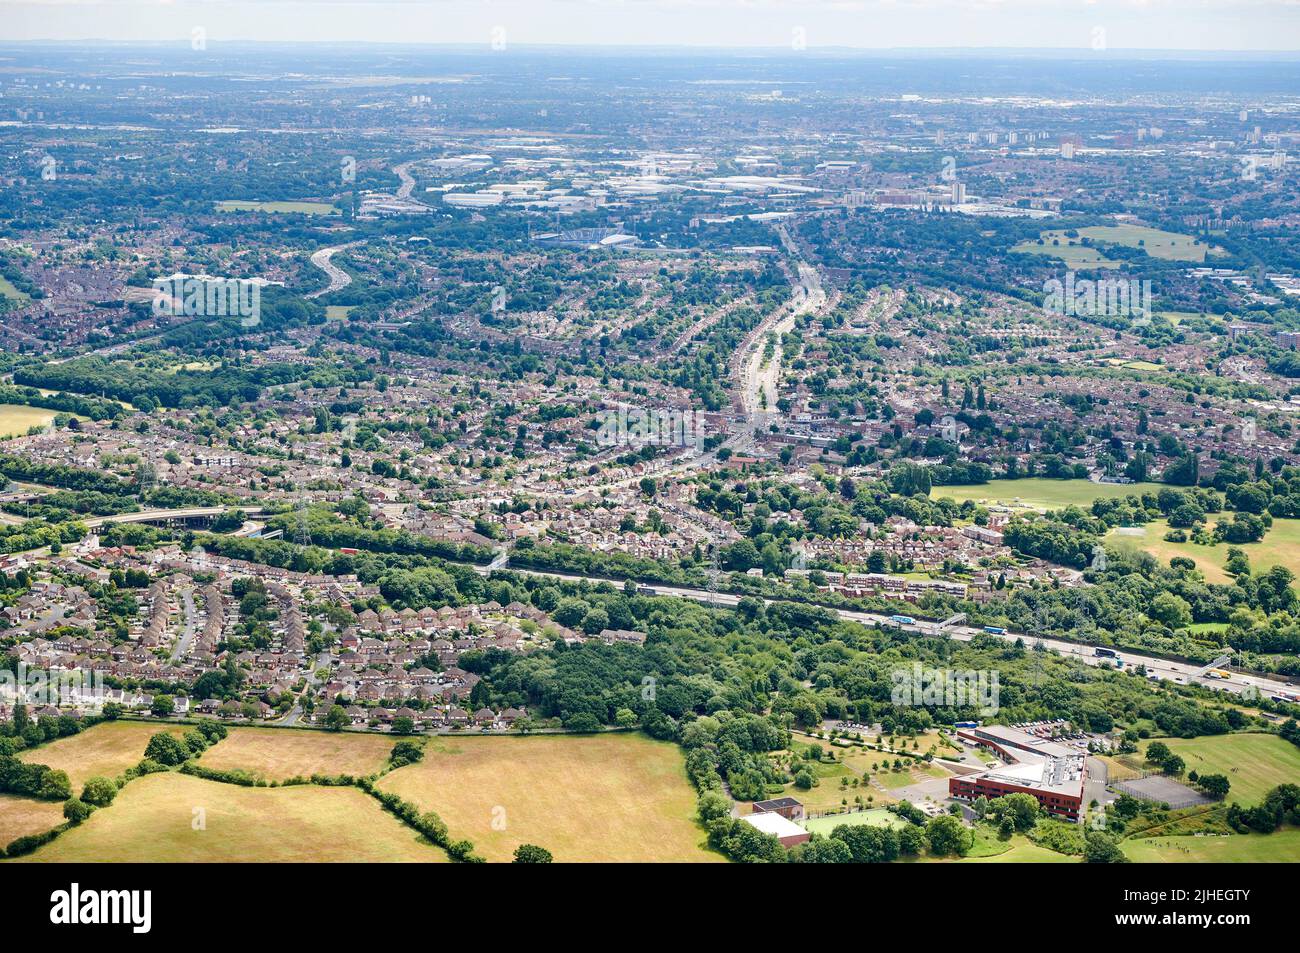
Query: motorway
x,y
338,277
1181,672
148,516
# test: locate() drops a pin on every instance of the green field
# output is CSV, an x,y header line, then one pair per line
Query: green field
x,y
8,290
1280,547
17,419
876,817
1279,847
1169,246
610,797
1252,763
1070,251
105,750
1041,493
304,208
174,818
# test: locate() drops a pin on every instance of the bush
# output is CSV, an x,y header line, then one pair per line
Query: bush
x,y
99,792
76,810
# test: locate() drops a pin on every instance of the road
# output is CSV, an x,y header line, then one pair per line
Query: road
x,y
187,634
314,678
1167,670
148,516
338,277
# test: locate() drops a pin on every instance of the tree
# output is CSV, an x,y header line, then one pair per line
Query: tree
x,y
337,719
1171,610
404,726
99,791
76,810
1215,785
1102,848
162,706
947,836
167,749
532,854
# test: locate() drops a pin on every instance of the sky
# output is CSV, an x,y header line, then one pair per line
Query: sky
x,y
1218,25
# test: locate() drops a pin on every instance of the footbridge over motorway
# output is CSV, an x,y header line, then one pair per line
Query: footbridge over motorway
x,y
194,517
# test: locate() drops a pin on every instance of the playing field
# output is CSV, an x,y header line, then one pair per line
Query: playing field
x,y
20,816
174,818
17,419
278,753
1279,847
1280,547
611,797
1041,493
1252,763
1070,251
304,208
105,750
875,817
1170,246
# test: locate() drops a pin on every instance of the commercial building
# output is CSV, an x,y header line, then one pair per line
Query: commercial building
x,y
1052,773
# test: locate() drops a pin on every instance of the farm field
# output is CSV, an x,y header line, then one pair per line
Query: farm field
x,y
1279,847
17,419
1279,547
305,208
1041,493
20,816
1252,763
105,750
613,797
153,820
277,753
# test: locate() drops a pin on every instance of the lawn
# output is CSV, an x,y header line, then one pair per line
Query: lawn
x,y
279,753
1022,851
20,816
305,208
154,820
106,750
1279,847
608,797
17,419
1070,251
1252,763
1169,246
7,290
1280,547
1041,493
875,817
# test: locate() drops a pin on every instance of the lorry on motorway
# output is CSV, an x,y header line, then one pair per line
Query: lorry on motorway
x,y
1103,652
902,620
995,630
1217,673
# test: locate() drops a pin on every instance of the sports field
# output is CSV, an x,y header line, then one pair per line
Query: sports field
x,y
1252,763
611,797
106,750
20,816
278,753
17,419
174,818
1279,547
875,817
1281,846
304,208
1041,493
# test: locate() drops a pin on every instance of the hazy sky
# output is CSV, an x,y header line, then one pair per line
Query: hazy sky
x,y
1097,24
